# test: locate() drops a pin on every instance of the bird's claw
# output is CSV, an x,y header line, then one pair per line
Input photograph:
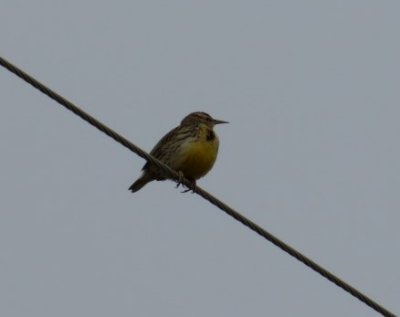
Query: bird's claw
x,y
193,187
180,179
193,183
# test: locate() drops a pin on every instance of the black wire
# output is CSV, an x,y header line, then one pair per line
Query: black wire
x,y
174,175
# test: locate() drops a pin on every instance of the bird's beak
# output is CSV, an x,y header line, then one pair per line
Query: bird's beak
x,y
216,121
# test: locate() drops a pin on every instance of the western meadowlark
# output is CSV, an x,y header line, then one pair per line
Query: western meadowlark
x,y
190,149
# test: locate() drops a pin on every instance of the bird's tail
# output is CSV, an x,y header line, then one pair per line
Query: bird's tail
x,y
140,182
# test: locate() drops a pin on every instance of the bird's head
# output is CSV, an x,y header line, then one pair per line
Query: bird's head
x,y
200,117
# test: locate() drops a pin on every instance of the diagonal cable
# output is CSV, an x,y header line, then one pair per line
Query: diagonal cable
x,y
213,200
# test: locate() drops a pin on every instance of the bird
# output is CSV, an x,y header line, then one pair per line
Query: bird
x,y
190,149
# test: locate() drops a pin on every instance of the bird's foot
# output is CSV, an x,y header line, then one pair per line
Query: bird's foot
x,y
193,183
180,179
193,187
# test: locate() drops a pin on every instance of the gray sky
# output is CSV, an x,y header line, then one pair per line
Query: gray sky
x,y
311,89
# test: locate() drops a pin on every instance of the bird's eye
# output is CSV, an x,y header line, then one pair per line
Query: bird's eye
x,y
208,119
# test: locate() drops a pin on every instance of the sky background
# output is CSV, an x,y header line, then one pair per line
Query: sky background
x,y
311,91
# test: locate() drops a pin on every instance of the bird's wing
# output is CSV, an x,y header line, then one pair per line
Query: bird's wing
x,y
159,149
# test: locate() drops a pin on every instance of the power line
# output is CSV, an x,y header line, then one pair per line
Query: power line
x,y
174,175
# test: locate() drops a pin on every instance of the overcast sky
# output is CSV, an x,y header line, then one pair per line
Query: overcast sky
x,y
311,91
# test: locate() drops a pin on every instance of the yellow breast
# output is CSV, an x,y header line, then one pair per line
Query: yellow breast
x,y
198,157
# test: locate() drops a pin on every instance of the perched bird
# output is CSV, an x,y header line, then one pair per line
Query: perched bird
x,y
190,149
